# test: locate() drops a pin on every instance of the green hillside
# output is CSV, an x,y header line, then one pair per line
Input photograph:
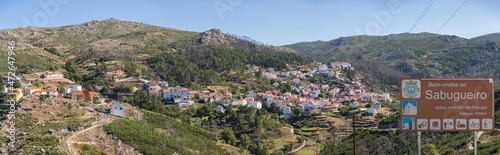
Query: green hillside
x,y
159,134
154,52
416,55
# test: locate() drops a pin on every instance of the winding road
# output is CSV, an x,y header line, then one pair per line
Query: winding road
x,y
302,146
70,141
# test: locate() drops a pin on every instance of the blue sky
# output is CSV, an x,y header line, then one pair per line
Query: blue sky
x,y
276,22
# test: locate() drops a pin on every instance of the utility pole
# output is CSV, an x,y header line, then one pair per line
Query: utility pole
x,y
354,131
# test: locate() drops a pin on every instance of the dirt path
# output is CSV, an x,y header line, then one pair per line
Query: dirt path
x,y
70,141
302,146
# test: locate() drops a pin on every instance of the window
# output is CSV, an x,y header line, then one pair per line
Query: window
x,y
120,108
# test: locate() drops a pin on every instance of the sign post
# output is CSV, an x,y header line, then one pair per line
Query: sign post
x,y
447,104
419,142
475,142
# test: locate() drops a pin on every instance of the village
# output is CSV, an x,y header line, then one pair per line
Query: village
x,y
305,95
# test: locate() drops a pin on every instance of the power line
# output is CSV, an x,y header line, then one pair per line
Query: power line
x,y
422,15
451,16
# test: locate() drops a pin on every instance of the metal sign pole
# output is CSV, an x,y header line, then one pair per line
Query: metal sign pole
x,y
419,142
475,142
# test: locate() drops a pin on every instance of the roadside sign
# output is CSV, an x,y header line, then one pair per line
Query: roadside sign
x,y
447,104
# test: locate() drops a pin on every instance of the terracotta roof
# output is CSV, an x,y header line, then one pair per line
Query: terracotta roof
x,y
77,93
34,88
154,91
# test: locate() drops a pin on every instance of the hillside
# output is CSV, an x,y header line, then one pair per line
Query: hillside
x,y
136,48
416,55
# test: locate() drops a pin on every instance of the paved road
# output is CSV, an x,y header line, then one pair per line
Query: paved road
x,y
103,119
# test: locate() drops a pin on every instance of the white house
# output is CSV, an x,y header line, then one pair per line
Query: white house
x,y
11,78
167,94
25,84
355,104
347,87
50,74
295,81
370,111
5,90
255,104
286,94
207,98
278,102
287,111
345,65
75,87
386,95
325,86
117,110
250,94
219,108
156,93
336,90
31,90
163,83
181,95
242,102
40,92
152,85
67,90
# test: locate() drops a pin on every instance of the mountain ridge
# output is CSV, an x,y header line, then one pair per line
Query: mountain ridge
x,y
416,55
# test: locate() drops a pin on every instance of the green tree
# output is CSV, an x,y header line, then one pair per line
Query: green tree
x,y
104,90
263,149
228,135
266,106
245,141
368,105
203,111
17,84
296,112
429,149
289,146
61,90
449,152
96,100
123,88
300,139
42,98
2,83
274,108
43,76
52,50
